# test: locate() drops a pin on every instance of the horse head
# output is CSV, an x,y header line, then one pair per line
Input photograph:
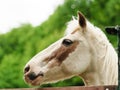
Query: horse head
x,y
63,59
83,51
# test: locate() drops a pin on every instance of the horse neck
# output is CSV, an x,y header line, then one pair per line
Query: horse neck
x,y
103,67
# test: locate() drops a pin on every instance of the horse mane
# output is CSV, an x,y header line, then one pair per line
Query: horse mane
x,y
110,66
106,56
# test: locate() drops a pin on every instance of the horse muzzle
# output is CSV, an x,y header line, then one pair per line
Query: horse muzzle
x,y
32,78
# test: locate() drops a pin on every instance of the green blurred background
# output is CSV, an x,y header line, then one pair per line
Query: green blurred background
x,y
21,44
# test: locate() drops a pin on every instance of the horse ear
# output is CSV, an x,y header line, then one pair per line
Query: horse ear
x,y
81,19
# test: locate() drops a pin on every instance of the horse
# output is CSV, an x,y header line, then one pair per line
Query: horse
x,y
84,51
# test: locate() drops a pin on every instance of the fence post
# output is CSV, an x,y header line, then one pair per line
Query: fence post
x,y
118,29
115,30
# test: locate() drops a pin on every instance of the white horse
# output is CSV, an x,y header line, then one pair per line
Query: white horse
x,y
84,51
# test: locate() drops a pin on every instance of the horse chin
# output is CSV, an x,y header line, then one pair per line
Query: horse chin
x,y
37,82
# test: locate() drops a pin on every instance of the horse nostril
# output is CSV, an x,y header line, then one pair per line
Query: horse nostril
x,y
27,69
32,76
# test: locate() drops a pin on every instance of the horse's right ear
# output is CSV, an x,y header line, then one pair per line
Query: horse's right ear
x,y
81,20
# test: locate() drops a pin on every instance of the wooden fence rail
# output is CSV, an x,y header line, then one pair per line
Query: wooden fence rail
x,y
71,88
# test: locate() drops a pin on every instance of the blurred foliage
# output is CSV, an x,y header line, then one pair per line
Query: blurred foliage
x,y
21,44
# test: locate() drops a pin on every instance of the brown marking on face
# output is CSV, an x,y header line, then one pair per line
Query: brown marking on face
x,y
77,29
59,55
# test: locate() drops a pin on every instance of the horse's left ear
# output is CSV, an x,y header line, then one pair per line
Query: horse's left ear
x,y
81,19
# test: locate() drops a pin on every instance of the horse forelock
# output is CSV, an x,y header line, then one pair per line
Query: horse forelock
x,y
72,27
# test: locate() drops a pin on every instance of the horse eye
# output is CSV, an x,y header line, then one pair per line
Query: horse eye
x,y
67,42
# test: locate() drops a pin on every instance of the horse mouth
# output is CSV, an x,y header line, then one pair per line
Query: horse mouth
x,y
35,82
